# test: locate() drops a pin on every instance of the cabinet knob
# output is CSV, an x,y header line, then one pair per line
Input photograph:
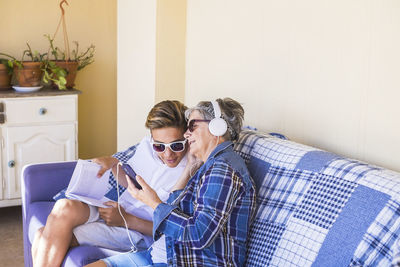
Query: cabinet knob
x,y
11,163
42,111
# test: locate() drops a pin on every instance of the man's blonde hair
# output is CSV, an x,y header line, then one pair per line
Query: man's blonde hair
x,y
168,113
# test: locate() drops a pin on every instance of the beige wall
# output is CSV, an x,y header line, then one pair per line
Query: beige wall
x,y
88,22
325,73
136,68
151,61
170,50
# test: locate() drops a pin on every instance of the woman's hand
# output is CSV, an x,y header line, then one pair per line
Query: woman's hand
x,y
191,157
111,215
146,195
193,164
106,163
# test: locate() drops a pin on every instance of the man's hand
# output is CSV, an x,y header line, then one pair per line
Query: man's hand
x,y
111,215
106,163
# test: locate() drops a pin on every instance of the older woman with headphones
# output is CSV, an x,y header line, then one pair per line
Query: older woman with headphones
x,y
206,220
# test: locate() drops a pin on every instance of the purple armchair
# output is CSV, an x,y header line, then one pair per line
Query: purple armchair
x,y
40,182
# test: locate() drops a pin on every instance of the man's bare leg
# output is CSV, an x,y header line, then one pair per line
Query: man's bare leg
x,y
51,242
99,263
36,239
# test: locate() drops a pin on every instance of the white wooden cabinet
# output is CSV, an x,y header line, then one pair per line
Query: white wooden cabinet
x,y
36,129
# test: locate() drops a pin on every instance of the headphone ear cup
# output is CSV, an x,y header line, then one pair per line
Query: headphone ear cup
x,y
217,127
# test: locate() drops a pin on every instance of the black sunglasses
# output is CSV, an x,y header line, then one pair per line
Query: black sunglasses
x,y
192,122
177,146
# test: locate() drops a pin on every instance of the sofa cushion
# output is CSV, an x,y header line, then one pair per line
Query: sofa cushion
x,y
318,208
37,216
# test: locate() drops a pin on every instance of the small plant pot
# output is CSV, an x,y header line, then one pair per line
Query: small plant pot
x,y
72,68
30,75
5,78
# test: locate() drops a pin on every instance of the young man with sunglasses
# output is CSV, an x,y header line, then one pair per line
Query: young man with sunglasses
x,y
160,160
206,221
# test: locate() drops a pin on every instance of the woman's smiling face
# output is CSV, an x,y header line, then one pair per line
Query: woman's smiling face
x,y
168,135
200,140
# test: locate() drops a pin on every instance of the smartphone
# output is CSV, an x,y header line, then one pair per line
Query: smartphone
x,y
131,174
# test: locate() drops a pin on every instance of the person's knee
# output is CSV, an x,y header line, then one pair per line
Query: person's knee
x,y
68,211
62,209
67,206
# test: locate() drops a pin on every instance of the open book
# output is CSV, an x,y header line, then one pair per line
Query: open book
x,y
86,186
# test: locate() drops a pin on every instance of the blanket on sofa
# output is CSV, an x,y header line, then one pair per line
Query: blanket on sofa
x,y
316,208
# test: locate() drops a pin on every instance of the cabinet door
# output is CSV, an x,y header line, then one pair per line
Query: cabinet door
x,y
35,144
1,167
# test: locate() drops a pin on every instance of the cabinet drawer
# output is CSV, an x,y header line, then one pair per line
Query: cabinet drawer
x,y
55,109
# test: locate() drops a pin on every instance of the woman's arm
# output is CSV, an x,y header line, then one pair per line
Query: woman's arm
x,y
191,167
196,226
218,194
220,189
187,173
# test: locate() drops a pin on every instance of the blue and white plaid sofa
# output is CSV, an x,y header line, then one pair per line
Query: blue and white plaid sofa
x,y
317,208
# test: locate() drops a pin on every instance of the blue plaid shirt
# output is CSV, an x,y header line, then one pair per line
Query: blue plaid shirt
x,y
207,223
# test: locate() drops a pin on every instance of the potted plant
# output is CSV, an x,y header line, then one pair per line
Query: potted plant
x,y
30,73
71,63
5,74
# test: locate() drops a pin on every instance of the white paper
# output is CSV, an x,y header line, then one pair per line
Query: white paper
x,y
86,186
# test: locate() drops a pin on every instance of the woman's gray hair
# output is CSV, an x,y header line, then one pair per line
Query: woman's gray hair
x,y
231,111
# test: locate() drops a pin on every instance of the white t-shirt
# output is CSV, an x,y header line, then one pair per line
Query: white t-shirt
x,y
157,175
159,251
161,178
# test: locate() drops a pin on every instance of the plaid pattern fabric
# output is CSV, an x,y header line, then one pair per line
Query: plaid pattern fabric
x,y
122,156
207,224
324,199
383,231
263,249
317,208
288,188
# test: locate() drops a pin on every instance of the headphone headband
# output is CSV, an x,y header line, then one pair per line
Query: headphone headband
x,y
218,125
217,110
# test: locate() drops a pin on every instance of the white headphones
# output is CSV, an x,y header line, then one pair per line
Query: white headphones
x,y
218,125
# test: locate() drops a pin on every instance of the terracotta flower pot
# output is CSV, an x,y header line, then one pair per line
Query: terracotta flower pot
x,y
72,68
29,75
5,78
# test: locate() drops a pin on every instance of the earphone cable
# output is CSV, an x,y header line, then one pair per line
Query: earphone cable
x,y
133,247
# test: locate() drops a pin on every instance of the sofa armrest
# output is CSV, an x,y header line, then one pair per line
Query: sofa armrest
x,y
40,182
